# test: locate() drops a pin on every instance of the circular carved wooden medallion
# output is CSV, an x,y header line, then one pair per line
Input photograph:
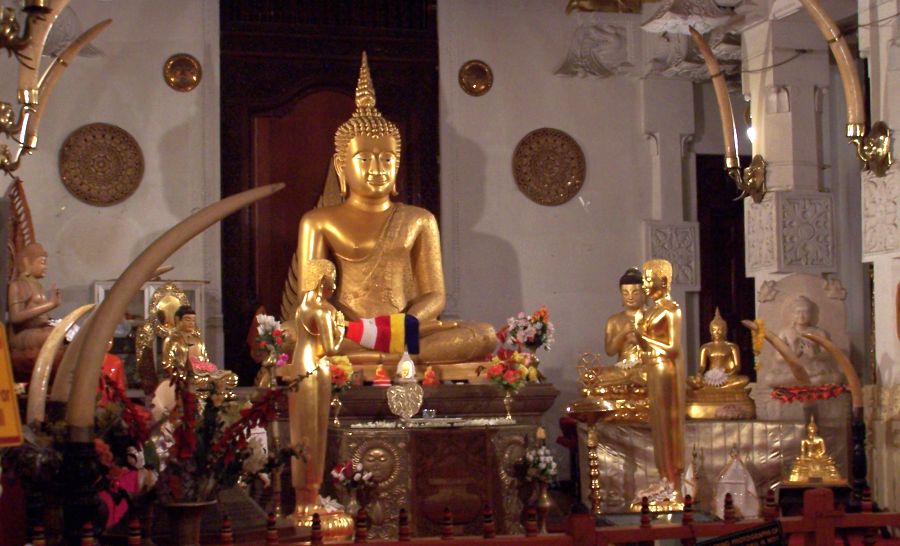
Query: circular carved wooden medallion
x,y
476,78
101,164
182,72
548,166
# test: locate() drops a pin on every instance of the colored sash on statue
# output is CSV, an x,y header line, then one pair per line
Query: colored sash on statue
x,y
386,333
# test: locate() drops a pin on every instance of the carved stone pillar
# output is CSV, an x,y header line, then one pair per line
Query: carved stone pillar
x,y
879,44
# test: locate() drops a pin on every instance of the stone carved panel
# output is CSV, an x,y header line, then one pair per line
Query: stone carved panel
x,y
759,235
790,232
806,232
603,45
678,242
881,214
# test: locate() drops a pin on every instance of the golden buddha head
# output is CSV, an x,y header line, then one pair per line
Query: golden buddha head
x,y
630,288
657,275
367,146
718,328
319,273
32,261
186,319
811,429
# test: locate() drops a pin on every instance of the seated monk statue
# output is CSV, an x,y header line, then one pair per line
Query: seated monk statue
x,y
814,464
184,357
28,305
388,255
718,391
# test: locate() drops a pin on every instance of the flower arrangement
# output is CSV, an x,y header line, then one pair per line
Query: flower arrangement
x,y
271,338
507,374
521,337
539,465
350,476
212,446
807,393
341,372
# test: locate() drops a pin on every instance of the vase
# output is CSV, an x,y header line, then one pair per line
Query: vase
x,y
184,521
542,505
336,405
507,403
353,505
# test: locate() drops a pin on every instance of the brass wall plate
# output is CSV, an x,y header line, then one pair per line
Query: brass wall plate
x,y
476,78
182,72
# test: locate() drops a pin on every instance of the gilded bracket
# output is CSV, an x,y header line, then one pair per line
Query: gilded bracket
x,y
752,180
874,148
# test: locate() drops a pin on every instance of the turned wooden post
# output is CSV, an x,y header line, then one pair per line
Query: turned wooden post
x,y
271,529
87,534
687,519
447,525
531,525
645,519
226,536
729,509
403,526
770,508
488,527
361,535
37,536
315,532
134,532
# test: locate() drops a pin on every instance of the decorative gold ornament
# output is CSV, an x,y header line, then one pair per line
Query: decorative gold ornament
x,y
404,400
476,78
182,72
752,181
548,166
874,149
101,164
814,464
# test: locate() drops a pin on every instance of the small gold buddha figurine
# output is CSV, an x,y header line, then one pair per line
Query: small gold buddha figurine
x,y
718,391
388,254
27,304
659,327
814,465
184,357
381,377
430,378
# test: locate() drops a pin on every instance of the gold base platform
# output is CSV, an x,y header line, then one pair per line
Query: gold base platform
x,y
336,526
720,406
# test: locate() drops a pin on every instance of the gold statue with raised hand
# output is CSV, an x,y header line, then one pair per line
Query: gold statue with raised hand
x,y
320,331
718,391
814,465
388,255
659,327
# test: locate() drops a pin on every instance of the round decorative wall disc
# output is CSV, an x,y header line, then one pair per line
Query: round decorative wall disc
x,y
476,78
182,72
101,164
548,166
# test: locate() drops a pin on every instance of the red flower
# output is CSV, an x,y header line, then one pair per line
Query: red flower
x,y
512,376
495,370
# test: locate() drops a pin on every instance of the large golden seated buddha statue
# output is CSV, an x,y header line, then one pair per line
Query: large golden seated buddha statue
x,y
718,391
387,254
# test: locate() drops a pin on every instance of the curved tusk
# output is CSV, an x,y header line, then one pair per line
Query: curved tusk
x,y
62,384
82,403
41,24
43,365
800,373
844,364
51,76
726,114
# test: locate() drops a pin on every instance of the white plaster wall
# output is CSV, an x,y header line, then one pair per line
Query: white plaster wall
x,y
178,133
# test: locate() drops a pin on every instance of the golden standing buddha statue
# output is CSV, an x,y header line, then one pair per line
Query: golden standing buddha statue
x,y
814,465
718,391
659,327
320,331
388,255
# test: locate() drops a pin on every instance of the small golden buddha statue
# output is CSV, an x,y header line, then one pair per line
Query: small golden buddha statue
x,y
320,331
814,465
388,255
430,377
27,304
659,327
185,358
381,377
718,391
621,331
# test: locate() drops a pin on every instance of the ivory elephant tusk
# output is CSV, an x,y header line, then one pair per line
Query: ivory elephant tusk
x,y
726,113
82,403
844,364
65,374
42,22
43,365
800,373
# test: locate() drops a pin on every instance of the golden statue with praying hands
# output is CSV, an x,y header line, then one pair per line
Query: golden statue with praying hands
x,y
718,391
387,254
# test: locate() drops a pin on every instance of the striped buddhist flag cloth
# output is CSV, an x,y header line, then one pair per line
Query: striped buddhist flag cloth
x,y
386,333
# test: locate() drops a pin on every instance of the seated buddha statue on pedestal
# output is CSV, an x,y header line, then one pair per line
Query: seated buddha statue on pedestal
x,y
28,307
623,385
184,358
388,255
717,391
814,465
